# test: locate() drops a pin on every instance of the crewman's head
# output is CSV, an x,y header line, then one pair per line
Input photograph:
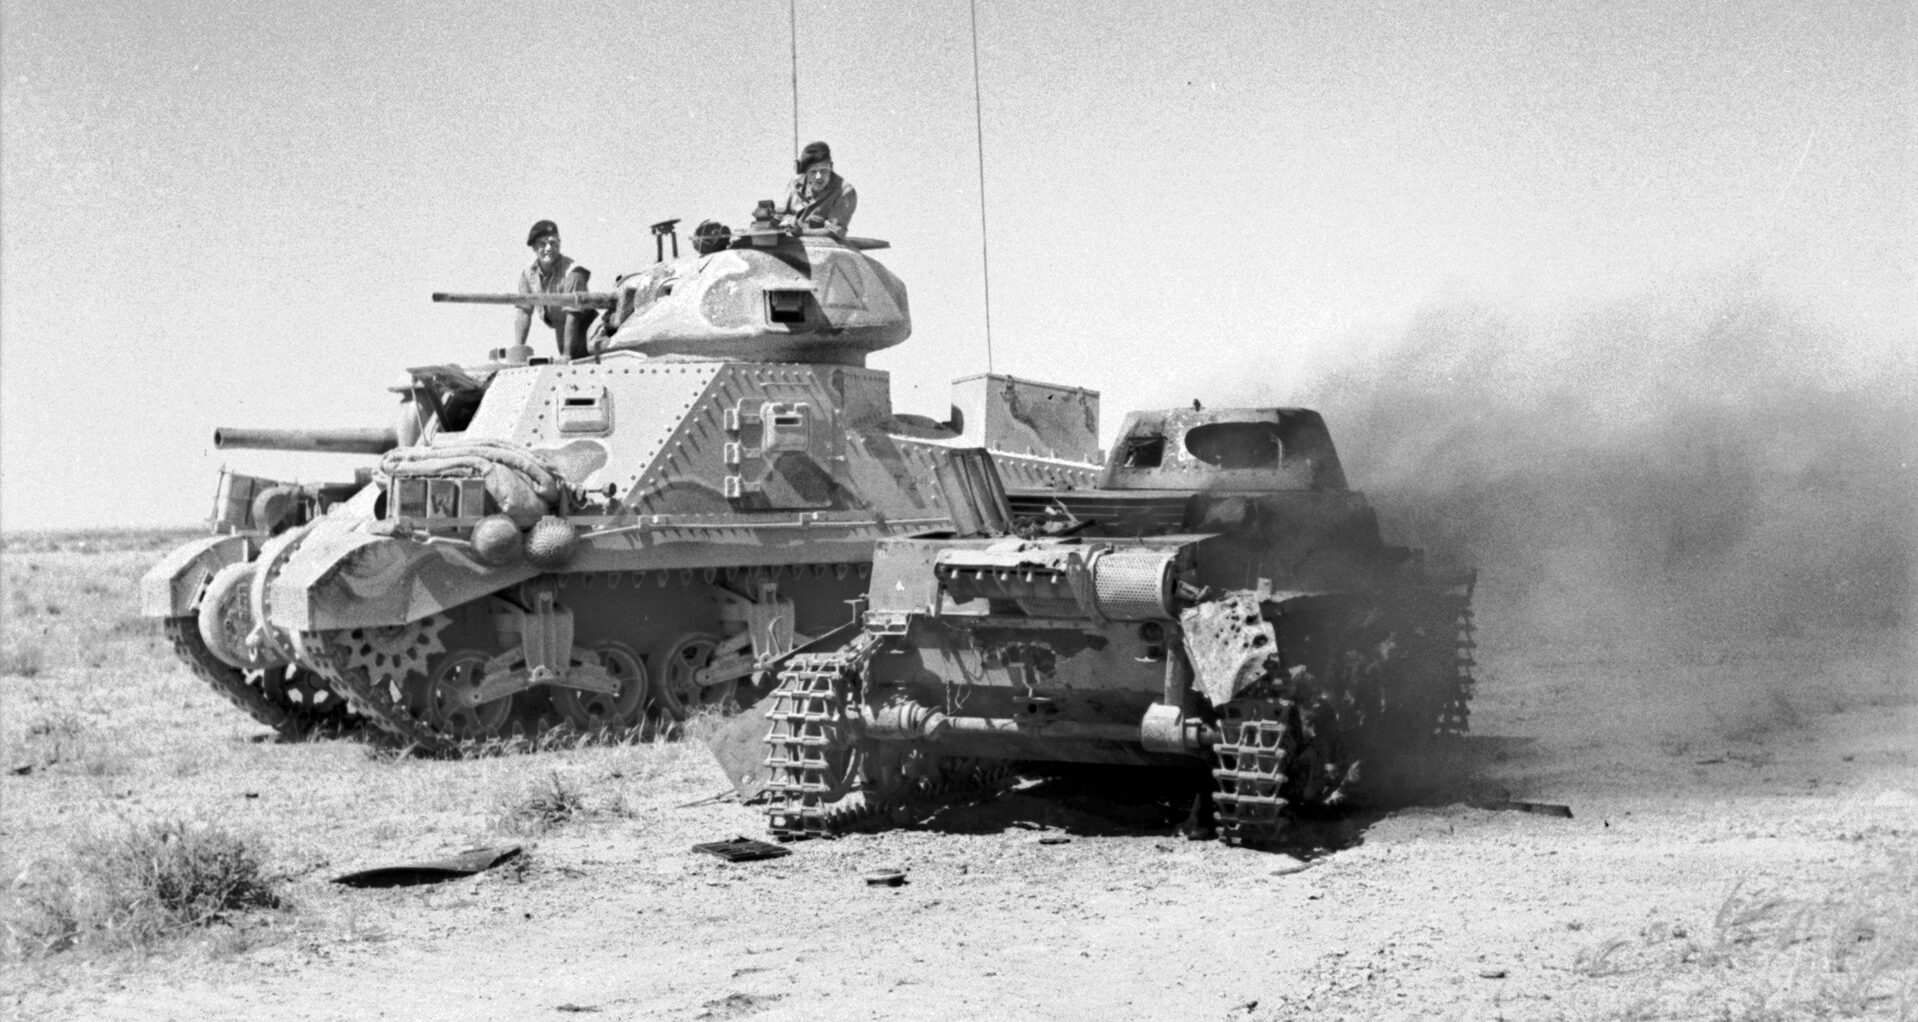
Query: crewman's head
x,y
543,239
815,162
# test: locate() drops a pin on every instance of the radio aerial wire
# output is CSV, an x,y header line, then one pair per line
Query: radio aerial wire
x,y
979,138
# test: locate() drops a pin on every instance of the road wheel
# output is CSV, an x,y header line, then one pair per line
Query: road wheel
x,y
594,711
451,676
677,693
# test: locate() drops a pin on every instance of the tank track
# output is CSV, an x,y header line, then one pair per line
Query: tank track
x,y
1253,755
810,747
1455,715
822,779
347,659
292,704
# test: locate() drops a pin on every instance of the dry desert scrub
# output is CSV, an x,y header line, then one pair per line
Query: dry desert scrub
x,y
1771,953
132,889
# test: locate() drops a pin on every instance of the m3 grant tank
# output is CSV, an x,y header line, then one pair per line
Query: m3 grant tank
x,y
643,529
1219,601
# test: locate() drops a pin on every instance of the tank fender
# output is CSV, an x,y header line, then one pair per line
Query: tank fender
x,y
172,587
1229,638
350,579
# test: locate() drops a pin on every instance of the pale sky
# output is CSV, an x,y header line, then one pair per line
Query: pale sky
x,y
223,213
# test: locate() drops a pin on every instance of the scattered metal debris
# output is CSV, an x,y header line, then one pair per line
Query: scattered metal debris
x,y
1541,808
714,799
743,849
465,864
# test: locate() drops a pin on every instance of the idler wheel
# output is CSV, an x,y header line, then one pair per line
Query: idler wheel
x,y
678,693
592,711
446,688
226,619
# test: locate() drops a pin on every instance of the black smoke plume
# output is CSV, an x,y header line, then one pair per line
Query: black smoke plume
x,y
1706,462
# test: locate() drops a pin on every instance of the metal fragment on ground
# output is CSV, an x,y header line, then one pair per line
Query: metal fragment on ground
x,y
464,864
743,849
1541,808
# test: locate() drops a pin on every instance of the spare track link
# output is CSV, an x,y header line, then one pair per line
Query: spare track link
x,y
330,653
809,747
229,681
1253,755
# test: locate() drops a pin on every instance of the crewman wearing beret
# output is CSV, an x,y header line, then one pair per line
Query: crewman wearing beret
x,y
819,200
552,272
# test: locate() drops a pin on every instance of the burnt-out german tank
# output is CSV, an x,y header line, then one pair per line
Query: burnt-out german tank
x,y
1219,601
643,528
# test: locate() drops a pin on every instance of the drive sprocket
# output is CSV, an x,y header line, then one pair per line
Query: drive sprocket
x,y
377,670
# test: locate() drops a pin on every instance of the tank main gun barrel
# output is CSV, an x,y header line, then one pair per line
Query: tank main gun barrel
x,y
560,299
330,441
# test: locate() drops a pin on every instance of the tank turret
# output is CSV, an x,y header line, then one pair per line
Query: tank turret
x,y
771,296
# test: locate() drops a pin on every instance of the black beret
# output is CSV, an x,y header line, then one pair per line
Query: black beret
x,y
815,152
541,230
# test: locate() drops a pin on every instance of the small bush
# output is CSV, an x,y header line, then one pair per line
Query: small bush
x,y
135,888
1601,959
25,660
546,806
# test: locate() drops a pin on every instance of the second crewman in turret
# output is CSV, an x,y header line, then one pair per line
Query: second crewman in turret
x,y
819,199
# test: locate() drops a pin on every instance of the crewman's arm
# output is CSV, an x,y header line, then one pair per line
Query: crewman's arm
x,y
843,209
523,322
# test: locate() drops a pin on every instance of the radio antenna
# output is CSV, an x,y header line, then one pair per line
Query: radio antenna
x,y
792,34
979,136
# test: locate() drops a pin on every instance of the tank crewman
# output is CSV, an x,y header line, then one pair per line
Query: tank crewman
x,y
819,198
552,272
